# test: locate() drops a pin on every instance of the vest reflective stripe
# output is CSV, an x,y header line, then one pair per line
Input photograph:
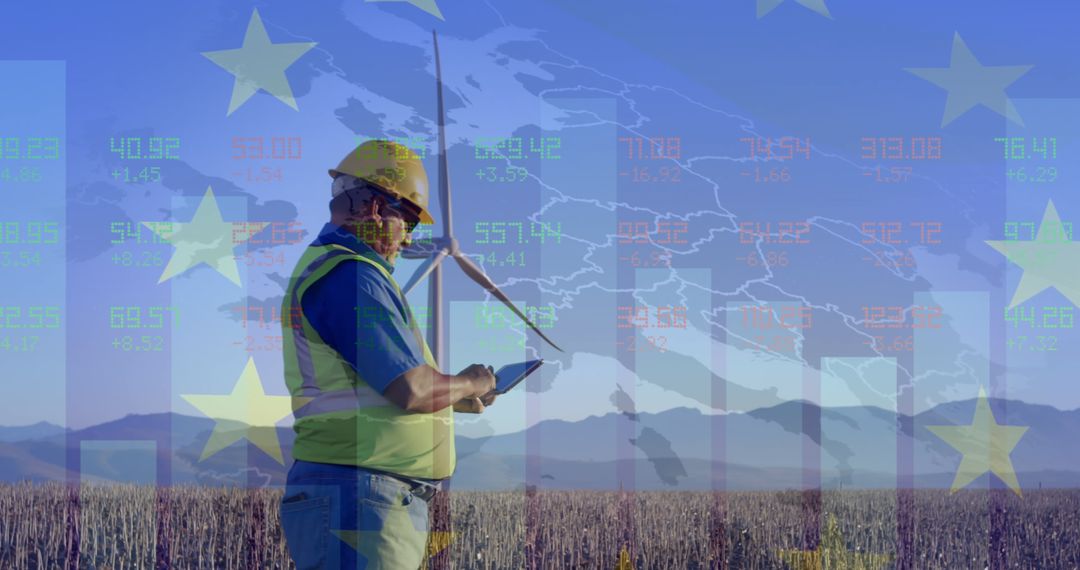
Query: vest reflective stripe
x,y
300,342
334,401
347,421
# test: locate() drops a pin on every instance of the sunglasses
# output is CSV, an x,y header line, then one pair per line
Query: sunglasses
x,y
405,210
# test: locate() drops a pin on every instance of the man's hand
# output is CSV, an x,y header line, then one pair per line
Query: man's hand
x,y
474,405
483,378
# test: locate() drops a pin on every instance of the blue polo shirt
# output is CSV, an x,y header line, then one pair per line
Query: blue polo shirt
x,y
360,314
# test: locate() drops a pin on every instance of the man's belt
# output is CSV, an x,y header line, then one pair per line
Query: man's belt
x,y
425,491
421,489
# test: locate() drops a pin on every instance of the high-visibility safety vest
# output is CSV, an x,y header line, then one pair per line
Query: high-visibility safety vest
x,y
346,421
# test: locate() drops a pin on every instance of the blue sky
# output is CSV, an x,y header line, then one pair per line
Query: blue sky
x,y
587,74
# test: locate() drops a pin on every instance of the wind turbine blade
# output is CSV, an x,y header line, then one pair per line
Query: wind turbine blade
x,y
426,268
444,167
418,251
476,274
423,249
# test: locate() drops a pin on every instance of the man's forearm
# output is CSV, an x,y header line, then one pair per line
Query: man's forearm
x,y
449,389
426,390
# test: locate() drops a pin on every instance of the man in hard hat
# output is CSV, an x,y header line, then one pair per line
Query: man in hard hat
x,y
374,415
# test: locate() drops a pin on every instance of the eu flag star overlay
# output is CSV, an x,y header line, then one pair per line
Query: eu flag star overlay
x,y
259,64
246,413
832,554
393,538
766,6
205,239
985,444
1052,259
970,83
428,6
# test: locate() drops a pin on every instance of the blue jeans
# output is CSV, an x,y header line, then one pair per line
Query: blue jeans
x,y
340,516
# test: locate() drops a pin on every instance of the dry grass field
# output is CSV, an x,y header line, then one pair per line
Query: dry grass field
x,y
54,526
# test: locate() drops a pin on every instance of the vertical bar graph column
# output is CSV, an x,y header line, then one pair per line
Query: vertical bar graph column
x,y
762,353
34,317
1032,316
35,330
860,396
580,166
33,235
671,344
945,368
719,548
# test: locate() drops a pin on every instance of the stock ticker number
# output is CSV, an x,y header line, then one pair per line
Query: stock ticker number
x,y
273,148
786,232
1029,149
897,148
664,148
154,148
640,317
775,328
514,233
25,148
517,148
638,233
766,149
897,233
512,148
496,317
29,148
1032,318
28,236
135,317
918,317
34,317
142,148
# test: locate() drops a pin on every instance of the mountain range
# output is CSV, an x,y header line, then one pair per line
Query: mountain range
x,y
791,445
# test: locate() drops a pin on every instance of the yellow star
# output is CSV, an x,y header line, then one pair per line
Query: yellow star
x,y
969,83
206,239
259,64
766,6
624,562
438,541
1050,260
395,540
985,444
428,6
246,413
832,554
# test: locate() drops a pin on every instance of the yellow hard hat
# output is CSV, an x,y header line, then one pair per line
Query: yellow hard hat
x,y
394,168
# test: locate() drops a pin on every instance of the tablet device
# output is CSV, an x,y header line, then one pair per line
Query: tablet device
x,y
508,376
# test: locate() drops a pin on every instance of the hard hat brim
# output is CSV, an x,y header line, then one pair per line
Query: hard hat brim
x,y
425,217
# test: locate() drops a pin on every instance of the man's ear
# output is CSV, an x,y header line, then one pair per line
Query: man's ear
x,y
374,206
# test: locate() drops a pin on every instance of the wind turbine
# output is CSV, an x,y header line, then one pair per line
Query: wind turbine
x,y
447,246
